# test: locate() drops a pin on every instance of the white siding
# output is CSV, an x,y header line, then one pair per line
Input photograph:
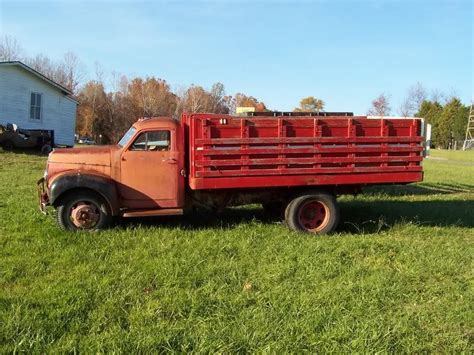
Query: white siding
x,y
58,111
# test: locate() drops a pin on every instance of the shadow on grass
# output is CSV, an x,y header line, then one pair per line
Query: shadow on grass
x,y
373,216
226,219
356,216
422,189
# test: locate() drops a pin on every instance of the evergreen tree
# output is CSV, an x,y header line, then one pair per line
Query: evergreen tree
x,y
431,111
452,122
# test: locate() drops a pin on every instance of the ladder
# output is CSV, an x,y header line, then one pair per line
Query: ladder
x,y
469,140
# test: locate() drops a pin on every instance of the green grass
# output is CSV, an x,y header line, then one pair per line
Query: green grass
x,y
457,155
397,277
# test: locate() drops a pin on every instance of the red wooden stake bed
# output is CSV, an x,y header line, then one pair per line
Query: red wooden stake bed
x,y
295,166
233,152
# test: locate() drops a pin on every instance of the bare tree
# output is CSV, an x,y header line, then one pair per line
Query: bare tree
x,y
180,93
197,99
406,108
412,103
42,64
68,72
10,49
217,97
74,71
380,106
437,96
418,94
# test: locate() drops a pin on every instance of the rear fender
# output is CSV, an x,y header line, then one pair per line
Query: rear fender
x,y
104,186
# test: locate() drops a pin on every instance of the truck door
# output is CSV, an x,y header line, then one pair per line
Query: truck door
x,y
150,170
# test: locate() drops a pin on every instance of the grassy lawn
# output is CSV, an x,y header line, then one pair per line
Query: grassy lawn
x,y
397,277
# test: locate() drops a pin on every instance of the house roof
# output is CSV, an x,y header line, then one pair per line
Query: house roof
x,y
64,90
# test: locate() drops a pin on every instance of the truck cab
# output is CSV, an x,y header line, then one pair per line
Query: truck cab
x,y
143,172
150,163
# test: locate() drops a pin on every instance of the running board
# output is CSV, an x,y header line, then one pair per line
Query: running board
x,y
149,213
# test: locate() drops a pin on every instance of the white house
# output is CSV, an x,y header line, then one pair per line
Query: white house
x,y
32,101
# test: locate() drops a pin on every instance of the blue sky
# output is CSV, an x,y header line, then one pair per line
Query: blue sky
x,y
344,52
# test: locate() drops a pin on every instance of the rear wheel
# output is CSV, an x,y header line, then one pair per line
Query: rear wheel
x,y
313,213
46,149
83,210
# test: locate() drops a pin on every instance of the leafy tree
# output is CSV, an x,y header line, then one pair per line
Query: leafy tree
x,y
461,114
452,122
431,111
310,104
448,121
92,109
242,100
151,97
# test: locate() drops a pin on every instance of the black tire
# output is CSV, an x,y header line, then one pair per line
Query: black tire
x,y
46,149
8,145
316,213
98,215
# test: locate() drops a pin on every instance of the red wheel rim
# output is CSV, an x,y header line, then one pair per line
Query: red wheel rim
x,y
313,216
84,215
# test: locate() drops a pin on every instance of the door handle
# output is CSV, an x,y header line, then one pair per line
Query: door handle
x,y
170,160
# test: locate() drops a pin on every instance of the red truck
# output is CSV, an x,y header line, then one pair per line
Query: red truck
x,y
292,165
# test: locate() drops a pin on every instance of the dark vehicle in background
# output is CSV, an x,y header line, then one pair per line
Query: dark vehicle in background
x,y
12,137
86,140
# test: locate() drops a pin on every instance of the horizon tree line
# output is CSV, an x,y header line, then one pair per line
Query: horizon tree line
x,y
107,114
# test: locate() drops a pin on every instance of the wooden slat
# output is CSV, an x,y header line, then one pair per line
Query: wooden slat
x,y
322,150
302,140
307,123
302,161
269,172
305,180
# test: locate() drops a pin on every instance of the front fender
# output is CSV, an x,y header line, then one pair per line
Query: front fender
x,y
104,186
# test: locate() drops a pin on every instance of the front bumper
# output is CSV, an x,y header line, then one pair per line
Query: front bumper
x,y
43,199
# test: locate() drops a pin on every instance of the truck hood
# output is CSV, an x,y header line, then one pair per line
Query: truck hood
x,y
90,156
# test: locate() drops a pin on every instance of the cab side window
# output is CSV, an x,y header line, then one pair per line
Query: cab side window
x,y
152,141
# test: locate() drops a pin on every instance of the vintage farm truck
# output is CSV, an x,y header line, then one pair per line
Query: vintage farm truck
x,y
294,166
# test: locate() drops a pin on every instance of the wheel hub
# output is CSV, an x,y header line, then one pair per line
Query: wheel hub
x,y
313,216
84,215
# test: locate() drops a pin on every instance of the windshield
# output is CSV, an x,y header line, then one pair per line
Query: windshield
x,y
127,136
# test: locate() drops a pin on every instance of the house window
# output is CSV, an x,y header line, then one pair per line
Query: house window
x,y
35,106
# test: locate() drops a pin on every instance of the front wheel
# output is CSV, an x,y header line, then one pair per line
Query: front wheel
x,y
83,210
313,213
8,145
